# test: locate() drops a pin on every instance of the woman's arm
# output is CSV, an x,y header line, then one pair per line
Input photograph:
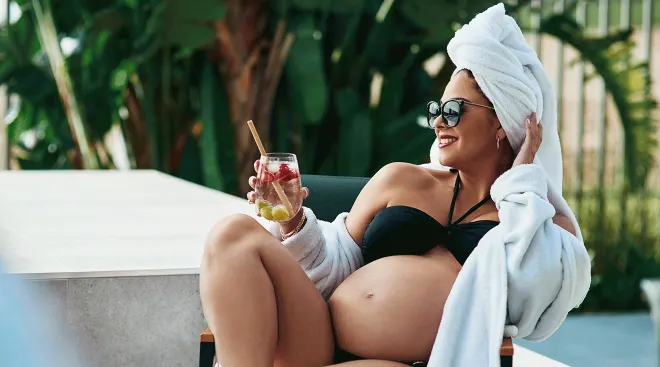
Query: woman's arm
x,y
563,222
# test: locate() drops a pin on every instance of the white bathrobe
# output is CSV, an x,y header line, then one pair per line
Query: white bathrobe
x,y
527,273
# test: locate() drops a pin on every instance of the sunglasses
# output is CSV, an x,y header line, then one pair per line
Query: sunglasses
x,y
451,111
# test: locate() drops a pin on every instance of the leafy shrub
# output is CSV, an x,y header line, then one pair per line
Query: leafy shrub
x,y
622,235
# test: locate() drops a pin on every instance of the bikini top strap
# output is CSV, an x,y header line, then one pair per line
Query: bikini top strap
x,y
457,187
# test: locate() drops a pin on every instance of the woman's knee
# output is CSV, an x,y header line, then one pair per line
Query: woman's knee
x,y
235,230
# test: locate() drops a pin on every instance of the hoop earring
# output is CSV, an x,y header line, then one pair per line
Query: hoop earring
x,y
498,143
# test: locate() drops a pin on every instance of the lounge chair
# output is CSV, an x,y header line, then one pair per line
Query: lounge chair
x,y
328,197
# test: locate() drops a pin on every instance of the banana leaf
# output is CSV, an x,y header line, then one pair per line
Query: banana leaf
x,y
181,23
355,135
208,143
332,6
305,72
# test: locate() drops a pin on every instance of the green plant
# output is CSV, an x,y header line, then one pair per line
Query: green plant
x,y
340,83
623,252
628,84
355,83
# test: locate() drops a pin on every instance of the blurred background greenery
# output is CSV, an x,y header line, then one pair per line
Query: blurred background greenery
x,y
169,85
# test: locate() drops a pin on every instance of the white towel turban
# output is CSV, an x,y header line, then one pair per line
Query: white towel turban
x,y
510,74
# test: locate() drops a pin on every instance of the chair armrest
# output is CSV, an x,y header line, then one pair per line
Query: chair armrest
x,y
507,347
206,336
331,195
206,349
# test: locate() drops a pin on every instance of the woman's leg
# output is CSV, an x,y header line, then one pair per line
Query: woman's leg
x,y
260,305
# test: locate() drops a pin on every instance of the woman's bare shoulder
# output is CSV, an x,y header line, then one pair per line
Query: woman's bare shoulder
x,y
409,175
389,182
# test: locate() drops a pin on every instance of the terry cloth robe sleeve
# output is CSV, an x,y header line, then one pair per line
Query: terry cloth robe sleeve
x,y
325,250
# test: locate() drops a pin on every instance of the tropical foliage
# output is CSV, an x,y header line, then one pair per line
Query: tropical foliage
x,y
623,251
342,83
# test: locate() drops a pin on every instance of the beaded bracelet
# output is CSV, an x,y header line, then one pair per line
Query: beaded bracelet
x,y
303,220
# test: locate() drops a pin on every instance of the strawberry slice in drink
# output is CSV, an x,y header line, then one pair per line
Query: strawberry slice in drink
x,y
286,174
266,177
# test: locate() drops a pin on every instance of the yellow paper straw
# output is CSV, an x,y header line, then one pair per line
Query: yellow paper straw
x,y
276,185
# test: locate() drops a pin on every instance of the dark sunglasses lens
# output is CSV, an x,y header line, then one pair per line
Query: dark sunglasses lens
x,y
432,113
451,111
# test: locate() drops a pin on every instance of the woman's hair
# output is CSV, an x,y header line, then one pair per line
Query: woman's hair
x,y
476,85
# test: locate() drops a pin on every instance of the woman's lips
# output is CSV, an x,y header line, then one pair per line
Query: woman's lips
x,y
445,142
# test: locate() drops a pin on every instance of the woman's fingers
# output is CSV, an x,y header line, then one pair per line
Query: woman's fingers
x,y
252,197
534,135
532,143
252,181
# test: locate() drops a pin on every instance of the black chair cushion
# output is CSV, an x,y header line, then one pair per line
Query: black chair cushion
x,y
331,195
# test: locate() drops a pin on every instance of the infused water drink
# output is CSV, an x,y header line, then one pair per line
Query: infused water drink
x,y
278,187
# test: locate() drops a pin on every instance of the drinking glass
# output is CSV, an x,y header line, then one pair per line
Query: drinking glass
x,y
278,187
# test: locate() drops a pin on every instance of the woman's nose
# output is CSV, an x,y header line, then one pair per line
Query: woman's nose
x,y
438,124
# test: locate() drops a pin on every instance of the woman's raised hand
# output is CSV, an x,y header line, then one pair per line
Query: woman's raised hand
x,y
533,139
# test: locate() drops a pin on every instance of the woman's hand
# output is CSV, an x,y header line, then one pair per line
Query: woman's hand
x,y
285,227
532,142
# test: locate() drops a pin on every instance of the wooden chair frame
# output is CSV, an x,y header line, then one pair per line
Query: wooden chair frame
x,y
207,350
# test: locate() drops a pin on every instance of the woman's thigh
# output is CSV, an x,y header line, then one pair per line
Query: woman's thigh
x,y
305,336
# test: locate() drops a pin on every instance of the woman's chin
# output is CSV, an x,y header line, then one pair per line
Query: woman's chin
x,y
446,161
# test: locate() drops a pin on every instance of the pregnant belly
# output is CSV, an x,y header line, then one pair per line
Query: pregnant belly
x,y
391,308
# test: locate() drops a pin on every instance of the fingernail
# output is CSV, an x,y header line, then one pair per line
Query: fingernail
x,y
527,122
538,122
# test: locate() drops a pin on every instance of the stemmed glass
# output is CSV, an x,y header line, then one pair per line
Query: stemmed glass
x,y
278,187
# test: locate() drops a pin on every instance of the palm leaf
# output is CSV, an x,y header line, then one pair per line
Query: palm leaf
x,y
629,85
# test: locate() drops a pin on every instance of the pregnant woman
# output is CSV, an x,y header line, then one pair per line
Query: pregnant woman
x,y
369,289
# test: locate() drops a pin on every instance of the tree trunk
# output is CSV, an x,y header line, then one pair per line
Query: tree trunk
x,y
251,66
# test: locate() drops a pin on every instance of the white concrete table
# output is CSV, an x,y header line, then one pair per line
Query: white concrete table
x,y
119,253
71,224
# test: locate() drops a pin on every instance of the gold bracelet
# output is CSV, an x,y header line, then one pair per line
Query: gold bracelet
x,y
303,220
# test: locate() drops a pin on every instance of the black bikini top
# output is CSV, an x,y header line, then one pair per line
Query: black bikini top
x,y
404,230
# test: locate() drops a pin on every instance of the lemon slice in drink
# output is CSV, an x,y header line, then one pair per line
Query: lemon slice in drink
x,y
262,203
280,214
266,212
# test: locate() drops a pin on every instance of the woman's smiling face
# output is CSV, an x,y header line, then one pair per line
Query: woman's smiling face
x,y
475,136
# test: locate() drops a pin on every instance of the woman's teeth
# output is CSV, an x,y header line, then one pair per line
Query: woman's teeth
x,y
447,141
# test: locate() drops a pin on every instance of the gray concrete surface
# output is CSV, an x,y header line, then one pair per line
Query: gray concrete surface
x,y
129,321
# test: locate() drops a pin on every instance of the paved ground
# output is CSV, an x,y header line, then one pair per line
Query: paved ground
x,y
602,341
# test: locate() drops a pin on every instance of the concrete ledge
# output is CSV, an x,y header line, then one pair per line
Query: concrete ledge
x,y
129,321
80,224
